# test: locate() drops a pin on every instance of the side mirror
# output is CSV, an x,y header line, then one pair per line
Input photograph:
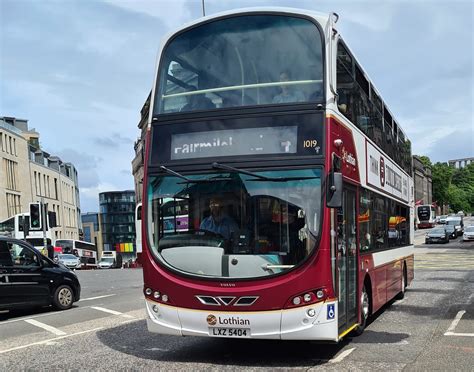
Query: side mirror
x,y
334,190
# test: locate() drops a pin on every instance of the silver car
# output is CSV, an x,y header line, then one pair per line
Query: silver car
x,y
106,263
468,234
69,260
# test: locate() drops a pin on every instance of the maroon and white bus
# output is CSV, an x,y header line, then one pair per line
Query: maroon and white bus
x,y
293,175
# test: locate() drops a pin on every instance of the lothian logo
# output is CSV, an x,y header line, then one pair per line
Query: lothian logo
x,y
211,320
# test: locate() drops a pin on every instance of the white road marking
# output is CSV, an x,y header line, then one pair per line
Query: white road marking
x,y
46,327
341,356
111,311
96,298
459,334
45,342
455,322
156,349
402,342
42,315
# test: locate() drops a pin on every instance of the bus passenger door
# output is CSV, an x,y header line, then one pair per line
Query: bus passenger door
x,y
347,259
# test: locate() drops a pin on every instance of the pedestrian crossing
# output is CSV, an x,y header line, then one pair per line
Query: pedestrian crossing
x,y
444,261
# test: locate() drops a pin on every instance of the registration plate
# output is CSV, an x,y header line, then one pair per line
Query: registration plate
x,y
229,332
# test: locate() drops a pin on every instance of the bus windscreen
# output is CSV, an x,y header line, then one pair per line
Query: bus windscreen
x,y
235,225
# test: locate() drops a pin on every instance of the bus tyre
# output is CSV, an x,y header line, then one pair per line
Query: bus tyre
x,y
401,294
364,312
63,297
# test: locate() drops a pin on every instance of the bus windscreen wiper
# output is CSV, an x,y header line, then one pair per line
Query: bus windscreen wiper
x,y
258,176
183,177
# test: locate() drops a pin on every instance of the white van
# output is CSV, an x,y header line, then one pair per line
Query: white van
x,y
457,222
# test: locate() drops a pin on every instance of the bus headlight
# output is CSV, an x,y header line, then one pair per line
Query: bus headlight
x,y
148,291
156,294
296,300
306,298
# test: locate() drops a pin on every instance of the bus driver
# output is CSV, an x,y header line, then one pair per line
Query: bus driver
x,y
219,222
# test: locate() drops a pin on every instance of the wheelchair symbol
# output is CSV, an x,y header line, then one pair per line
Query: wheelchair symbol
x,y
330,311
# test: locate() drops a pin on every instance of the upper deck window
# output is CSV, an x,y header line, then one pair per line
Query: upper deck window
x,y
241,61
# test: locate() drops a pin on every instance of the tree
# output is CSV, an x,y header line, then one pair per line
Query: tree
x,y
458,199
426,161
441,175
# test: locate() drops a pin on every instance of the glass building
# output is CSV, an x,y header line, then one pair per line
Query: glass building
x,y
117,219
91,230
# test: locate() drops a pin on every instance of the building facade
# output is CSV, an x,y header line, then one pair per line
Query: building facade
x,y
422,181
117,222
29,174
92,231
139,147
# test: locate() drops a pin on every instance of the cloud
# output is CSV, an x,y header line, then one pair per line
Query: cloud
x,y
172,13
462,146
113,140
86,165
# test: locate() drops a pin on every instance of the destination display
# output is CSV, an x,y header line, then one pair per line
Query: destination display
x,y
201,141
384,174
233,142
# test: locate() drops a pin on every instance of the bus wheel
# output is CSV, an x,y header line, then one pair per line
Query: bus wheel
x,y
63,297
401,294
364,312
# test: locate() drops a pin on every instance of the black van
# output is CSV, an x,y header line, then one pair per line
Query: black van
x,y
29,279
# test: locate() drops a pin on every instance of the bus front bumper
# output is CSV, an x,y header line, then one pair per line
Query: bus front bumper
x,y
286,324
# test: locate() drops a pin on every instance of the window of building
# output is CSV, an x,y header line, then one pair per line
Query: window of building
x,y
11,171
13,204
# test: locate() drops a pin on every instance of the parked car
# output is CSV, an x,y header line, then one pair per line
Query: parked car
x,y
468,234
451,230
70,261
33,279
442,219
438,235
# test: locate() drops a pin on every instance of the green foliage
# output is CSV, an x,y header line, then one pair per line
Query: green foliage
x,y
458,199
452,186
426,161
441,174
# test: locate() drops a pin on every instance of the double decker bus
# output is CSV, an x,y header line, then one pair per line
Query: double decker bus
x,y
87,252
425,215
293,176
16,226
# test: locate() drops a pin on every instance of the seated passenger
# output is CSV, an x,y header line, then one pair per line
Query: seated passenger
x,y
219,222
197,102
342,101
288,94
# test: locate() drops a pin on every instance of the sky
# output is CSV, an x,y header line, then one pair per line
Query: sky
x,y
80,71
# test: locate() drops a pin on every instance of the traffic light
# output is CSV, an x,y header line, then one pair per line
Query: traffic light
x,y
35,216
